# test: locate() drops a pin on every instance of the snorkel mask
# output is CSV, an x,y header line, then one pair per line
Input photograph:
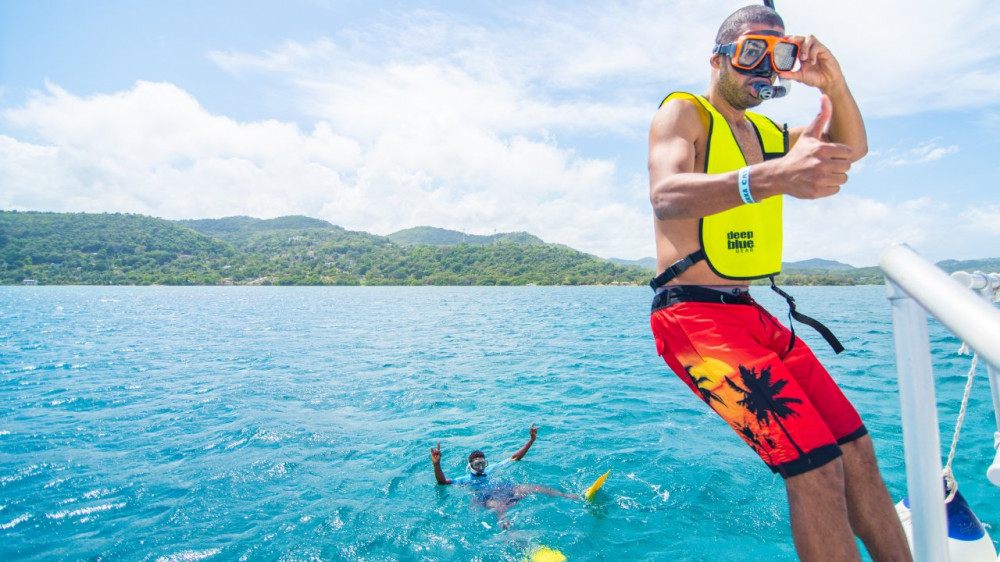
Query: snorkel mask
x,y
477,465
763,54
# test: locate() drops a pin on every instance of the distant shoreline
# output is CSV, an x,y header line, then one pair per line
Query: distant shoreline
x,y
68,249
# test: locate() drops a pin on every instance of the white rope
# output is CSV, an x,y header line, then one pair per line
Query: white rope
x,y
951,485
949,477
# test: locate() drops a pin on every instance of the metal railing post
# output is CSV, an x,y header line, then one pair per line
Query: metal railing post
x,y
993,472
921,439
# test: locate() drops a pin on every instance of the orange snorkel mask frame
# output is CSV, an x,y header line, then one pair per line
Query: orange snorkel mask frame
x,y
750,50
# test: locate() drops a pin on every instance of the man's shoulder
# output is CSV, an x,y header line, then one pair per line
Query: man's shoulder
x,y
500,465
687,97
684,103
684,114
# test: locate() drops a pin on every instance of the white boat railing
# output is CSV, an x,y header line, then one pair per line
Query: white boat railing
x,y
988,285
915,288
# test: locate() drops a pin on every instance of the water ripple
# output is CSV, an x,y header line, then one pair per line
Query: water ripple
x,y
164,423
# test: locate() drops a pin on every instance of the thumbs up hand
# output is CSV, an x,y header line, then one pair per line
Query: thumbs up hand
x,y
814,168
818,125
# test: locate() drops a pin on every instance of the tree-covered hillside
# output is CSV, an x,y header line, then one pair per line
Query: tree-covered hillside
x,y
60,248
837,275
240,228
78,248
430,236
991,265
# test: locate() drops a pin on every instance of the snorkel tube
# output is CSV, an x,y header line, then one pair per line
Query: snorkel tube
x,y
768,91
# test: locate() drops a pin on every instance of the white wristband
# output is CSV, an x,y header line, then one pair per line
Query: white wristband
x,y
744,182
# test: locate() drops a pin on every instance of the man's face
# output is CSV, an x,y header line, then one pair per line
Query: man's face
x,y
738,89
478,464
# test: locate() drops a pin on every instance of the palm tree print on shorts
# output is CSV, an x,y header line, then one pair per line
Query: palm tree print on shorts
x,y
761,399
706,393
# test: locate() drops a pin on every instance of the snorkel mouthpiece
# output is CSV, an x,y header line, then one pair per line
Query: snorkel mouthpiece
x,y
769,92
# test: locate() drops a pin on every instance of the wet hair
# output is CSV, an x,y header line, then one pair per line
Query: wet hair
x,y
756,14
475,454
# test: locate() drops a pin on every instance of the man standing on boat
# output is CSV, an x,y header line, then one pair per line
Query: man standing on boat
x,y
717,176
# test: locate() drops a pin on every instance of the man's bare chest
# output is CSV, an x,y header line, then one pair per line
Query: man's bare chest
x,y
746,139
749,143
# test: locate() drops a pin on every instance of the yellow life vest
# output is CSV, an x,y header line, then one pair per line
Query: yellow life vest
x,y
743,242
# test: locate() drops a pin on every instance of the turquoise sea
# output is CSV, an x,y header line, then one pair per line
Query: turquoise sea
x,y
257,423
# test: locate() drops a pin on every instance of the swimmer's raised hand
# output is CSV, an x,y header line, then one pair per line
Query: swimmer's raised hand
x,y
436,454
533,432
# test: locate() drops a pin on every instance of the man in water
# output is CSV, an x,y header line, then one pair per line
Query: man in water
x,y
717,174
489,492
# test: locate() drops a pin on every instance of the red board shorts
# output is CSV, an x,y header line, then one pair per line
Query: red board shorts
x,y
735,356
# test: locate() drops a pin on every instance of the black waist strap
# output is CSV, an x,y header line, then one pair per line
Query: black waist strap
x,y
678,267
813,323
692,293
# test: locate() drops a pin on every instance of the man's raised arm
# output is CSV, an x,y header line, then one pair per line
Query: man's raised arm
x,y
533,432
436,460
819,68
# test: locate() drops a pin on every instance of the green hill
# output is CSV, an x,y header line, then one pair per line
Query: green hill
x,y
989,265
60,248
647,263
79,248
827,272
237,228
816,264
431,236
806,272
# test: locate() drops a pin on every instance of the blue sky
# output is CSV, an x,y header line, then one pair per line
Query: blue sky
x,y
476,116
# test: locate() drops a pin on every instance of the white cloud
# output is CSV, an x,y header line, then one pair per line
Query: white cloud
x,y
984,221
155,150
856,230
924,152
431,118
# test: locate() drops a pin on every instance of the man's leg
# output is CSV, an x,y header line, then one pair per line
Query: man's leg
x,y
872,514
500,509
817,506
523,490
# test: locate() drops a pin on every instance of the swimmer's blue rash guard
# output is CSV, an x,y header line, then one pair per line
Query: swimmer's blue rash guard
x,y
483,480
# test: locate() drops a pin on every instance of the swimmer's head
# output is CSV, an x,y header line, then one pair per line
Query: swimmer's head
x,y
477,463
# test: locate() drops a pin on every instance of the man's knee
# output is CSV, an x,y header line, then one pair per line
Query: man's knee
x,y
859,456
860,448
826,478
